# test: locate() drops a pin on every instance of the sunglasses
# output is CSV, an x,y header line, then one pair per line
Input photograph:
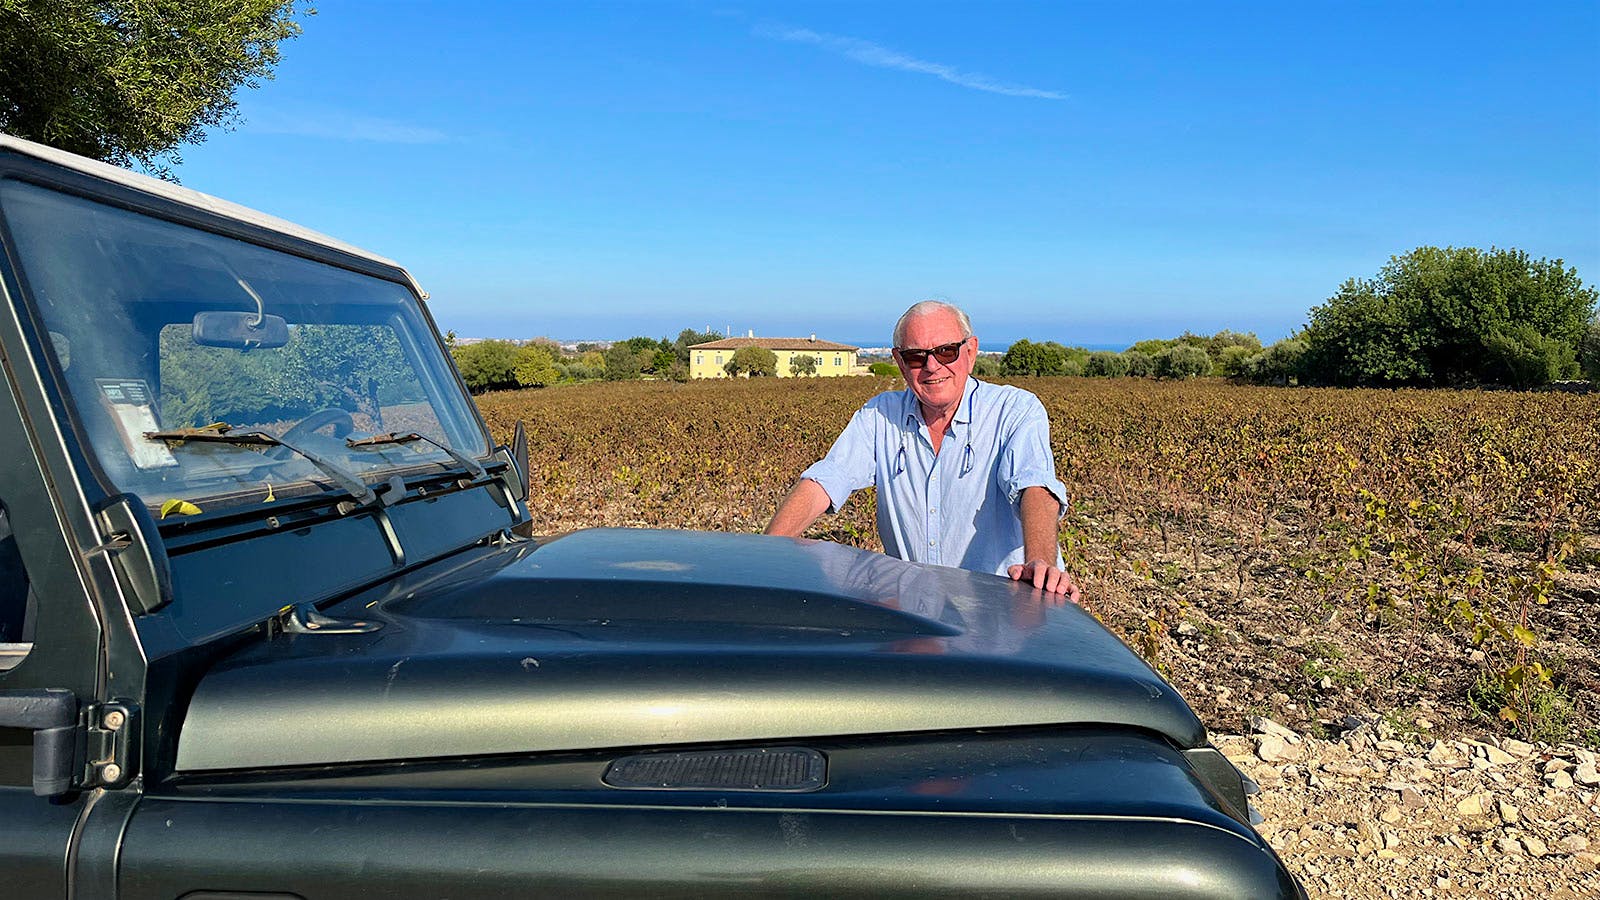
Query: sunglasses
x,y
944,353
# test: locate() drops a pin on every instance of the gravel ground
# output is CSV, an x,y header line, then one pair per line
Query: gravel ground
x,y
1370,815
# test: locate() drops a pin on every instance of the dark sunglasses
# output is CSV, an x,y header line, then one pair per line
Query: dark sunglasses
x,y
944,353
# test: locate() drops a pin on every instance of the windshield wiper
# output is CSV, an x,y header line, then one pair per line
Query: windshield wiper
x,y
222,433
394,437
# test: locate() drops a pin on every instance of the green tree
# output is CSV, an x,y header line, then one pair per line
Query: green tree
x,y
1527,358
1452,316
1151,347
1140,363
803,364
1022,358
1073,359
130,81
623,362
1028,358
1365,334
688,338
661,362
1217,345
753,362
1278,364
884,369
1104,364
535,366
1182,361
487,365
986,366
1233,361
1589,352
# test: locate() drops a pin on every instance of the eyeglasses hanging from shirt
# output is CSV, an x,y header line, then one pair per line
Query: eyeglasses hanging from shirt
x,y
966,452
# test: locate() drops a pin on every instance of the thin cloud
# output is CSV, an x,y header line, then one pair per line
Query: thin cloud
x,y
870,54
343,127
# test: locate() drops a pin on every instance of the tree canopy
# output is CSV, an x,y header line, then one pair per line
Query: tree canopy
x,y
1452,316
130,81
688,338
1589,352
753,361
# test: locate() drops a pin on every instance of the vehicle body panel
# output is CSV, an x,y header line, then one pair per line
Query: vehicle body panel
x,y
608,638
386,690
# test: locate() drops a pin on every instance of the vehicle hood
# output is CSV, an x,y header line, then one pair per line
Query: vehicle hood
x,y
639,638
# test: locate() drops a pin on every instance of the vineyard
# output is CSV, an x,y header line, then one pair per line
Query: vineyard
x,y
1432,556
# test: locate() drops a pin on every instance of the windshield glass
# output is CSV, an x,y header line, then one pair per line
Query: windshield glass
x,y
158,327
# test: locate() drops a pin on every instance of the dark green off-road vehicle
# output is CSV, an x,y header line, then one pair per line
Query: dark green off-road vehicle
x,y
270,628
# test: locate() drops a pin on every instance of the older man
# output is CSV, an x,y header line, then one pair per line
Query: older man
x,y
964,471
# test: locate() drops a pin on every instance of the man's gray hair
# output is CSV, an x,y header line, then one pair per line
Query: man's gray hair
x,y
928,306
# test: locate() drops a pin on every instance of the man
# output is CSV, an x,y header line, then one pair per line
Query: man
x,y
964,471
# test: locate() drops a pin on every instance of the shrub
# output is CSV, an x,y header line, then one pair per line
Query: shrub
x,y
1234,361
1589,352
1528,358
1278,364
1104,364
1182,361
884,369
1140,363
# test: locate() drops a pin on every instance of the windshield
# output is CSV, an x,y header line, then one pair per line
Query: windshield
x,y
157,327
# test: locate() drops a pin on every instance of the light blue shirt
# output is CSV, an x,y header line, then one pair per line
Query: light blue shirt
x,y
958,507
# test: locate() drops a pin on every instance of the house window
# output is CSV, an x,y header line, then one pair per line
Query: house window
x,y
699,359
838,360
719,359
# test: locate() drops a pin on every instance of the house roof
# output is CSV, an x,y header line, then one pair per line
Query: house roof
x,y
773,343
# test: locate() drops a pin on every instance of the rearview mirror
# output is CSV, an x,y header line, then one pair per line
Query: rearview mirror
x,y
239,330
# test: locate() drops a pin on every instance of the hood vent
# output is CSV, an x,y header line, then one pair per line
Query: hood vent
x,y
785,769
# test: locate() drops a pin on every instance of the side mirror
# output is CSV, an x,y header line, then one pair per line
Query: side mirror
x,y
519,458
240,330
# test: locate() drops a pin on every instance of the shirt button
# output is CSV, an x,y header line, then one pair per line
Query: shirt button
x,y
933,509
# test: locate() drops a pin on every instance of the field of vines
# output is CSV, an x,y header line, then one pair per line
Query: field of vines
x,y
1429,556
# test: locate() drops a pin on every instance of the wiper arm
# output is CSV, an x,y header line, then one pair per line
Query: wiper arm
x,y
395,437
222,433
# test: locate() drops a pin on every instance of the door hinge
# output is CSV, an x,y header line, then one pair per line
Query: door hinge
x,y
110,745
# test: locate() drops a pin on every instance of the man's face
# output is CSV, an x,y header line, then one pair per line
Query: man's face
x,y
938,385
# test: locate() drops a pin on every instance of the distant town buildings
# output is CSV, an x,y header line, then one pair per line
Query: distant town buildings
x,y
831,358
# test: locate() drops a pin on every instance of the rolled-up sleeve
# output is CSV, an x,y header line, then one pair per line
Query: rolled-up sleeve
x,y
1025,458
849,465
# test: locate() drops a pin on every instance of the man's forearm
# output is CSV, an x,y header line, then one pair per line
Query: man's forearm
x,y
795,514
1041,517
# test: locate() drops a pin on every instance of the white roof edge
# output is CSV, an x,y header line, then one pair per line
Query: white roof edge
x,y
192,198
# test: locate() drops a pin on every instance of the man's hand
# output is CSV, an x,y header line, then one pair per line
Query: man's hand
x,y
1057,585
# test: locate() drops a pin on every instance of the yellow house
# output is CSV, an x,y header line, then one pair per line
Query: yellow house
x,y
707,360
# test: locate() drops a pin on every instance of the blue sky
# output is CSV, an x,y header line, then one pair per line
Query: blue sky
x,y
1092,173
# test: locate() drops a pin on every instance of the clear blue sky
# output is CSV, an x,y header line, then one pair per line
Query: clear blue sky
x,y
1088,173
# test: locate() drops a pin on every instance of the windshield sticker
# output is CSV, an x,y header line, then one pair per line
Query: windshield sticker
x,y
128,400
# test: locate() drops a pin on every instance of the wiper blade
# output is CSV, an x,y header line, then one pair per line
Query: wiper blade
x,y
216,432
222,433
396,437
